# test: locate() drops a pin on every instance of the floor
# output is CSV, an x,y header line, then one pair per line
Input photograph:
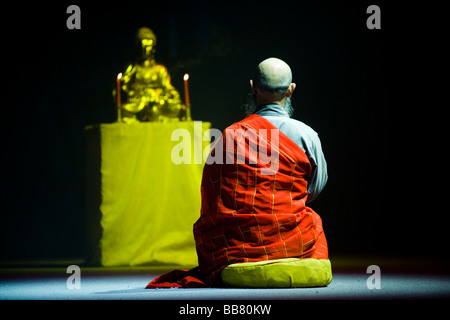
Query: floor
x,y
399,279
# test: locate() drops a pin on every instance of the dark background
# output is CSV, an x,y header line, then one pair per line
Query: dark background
x,y
56,81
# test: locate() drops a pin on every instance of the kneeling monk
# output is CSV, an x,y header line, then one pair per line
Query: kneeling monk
x,y
255,229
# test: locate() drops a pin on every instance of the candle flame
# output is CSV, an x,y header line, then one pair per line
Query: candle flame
x,y
186,77
119,76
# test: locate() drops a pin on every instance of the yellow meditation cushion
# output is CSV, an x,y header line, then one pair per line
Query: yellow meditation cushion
x,y
280,273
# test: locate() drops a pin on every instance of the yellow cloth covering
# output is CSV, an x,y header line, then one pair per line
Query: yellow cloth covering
x,y
148,204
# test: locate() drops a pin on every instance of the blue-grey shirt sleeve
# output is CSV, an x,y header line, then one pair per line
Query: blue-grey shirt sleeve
x,y
307,139
319,174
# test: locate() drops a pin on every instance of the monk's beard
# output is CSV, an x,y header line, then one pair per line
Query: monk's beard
x,y
250,106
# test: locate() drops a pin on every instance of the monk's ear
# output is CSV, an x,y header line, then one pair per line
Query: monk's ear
x,y
251,87
291,89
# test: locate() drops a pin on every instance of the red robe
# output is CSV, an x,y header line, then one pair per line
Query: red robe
x,y
247,214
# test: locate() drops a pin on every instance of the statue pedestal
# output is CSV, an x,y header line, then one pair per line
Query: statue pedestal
x,y
141,207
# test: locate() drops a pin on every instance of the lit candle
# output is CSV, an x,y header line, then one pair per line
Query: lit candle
x,y
119,76
186,90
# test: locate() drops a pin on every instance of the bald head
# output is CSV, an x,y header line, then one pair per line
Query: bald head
x,y
272,81
273,75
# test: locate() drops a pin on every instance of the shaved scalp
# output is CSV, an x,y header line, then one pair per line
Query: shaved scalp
x,y
273,75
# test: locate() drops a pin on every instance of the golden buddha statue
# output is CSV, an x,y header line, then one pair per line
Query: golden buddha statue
x,y
146,91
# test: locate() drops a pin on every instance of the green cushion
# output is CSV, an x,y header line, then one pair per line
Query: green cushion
x,y
280,273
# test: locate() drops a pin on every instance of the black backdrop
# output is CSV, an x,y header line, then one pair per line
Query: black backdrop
x,y
56,81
